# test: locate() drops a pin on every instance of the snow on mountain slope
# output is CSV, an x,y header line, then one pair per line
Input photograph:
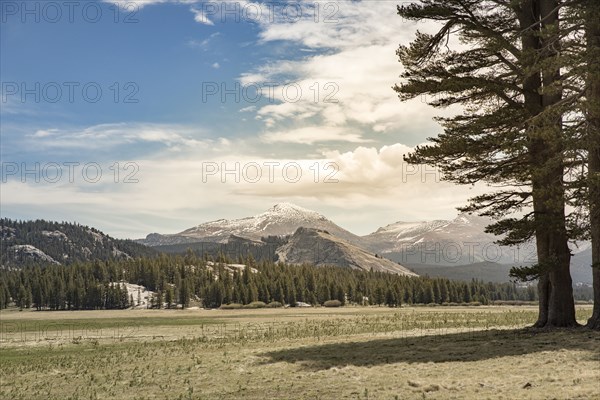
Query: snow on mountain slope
x,y
459,241
462,240
280,220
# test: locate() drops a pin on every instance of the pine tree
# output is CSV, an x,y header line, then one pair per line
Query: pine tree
x,y
379,295
390,297
184,294
159,299
22,297
510,134
252,293
466,291
279,294
169,296
340,295
437,295
427,295
592,112
444,293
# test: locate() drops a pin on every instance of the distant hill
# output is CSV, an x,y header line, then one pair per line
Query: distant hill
x,y
25,243
318,247
461,241
234,248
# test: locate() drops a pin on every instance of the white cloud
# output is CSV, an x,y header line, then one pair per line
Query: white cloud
x,y
175,192
111,135
12,104
203,44
201,17
348,81
41,133
132,5
216,65
312,135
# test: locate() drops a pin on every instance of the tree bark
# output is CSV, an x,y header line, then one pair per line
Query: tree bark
x,y
561,305
543,295
528,12
555,290
592,30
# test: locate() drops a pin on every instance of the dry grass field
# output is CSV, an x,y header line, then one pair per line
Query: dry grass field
x,y
320,353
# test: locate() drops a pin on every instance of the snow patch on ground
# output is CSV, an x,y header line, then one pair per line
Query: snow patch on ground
x,y
230,267
145,295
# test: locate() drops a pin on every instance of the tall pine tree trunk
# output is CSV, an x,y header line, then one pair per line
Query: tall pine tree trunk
x,y
592,29
528,12
561,305
556,304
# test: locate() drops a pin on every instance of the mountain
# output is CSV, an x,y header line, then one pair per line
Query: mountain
x,y
320,247
43,242
280,220
460,249
460,241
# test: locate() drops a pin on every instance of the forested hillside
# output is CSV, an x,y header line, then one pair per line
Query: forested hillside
x,y
43,242
183,279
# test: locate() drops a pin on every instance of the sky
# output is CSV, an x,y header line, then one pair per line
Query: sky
x,y
157,115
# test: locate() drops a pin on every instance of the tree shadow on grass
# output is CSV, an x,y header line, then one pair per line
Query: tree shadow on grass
x,y
439,348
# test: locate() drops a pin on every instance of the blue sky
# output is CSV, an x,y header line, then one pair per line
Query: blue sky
x,y
324,74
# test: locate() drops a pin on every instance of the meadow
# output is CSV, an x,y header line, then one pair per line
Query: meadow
x,y
484,352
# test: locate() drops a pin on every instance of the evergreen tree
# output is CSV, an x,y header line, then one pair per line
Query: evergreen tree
x,y
184,294
159,299
592,136
252,293
169,296
340,295
279,295
437,294
466,293
510,134
444,293
22,297
390,297
427,296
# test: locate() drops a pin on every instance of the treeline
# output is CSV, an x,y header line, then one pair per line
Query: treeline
x,y
179,280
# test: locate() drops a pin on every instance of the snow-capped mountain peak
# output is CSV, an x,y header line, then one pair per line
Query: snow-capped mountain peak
x,y
280,220
291,211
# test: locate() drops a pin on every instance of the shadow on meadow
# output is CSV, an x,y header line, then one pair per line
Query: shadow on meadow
x,y
439,348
